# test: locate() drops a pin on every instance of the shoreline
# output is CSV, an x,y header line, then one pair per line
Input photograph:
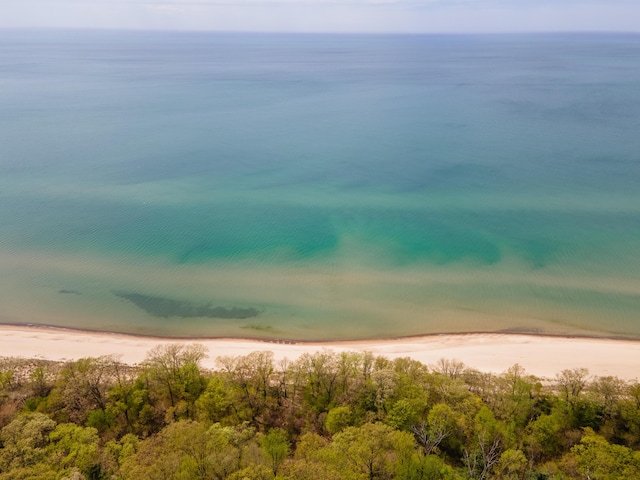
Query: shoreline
x,y
329,341
543,355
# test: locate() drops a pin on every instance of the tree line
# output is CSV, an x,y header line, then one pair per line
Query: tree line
x,y
325,416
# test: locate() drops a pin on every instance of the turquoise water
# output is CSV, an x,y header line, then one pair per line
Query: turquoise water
x,y
320,186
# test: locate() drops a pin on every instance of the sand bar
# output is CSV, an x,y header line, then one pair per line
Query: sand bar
x,y
544,356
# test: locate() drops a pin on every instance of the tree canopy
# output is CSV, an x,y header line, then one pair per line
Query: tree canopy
x,y
329,416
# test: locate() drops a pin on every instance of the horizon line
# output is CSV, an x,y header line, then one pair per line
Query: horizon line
x,y
323,32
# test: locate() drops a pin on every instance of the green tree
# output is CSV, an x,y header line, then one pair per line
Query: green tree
x,y
486,445
72,446
24,441
253,472
129,402
321,389
215,402
516,397
428,467
338,419
512,465
116,453
571,384
250,379
597,459
275,445
545,436
192,450
81,388
174,376
442,422
629,428
374,450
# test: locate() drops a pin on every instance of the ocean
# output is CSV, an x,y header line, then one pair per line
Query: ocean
x,y
320,187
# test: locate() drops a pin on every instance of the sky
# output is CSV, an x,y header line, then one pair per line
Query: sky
x,y
408,16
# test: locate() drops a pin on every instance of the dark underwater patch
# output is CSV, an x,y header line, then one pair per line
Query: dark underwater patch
x,y
260,328
167,307
69,292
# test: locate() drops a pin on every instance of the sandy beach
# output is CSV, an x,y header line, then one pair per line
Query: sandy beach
x,y
543,356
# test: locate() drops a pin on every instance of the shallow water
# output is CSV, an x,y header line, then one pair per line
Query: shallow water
x,y
320,186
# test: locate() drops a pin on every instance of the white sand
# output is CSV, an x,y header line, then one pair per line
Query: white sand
x,y
539,355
